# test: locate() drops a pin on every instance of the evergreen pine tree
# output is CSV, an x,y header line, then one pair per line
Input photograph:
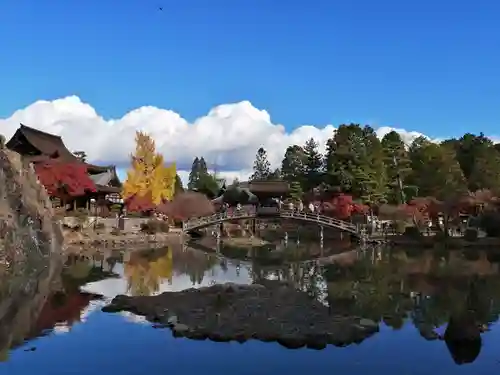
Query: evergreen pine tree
x,y
261,166
194,175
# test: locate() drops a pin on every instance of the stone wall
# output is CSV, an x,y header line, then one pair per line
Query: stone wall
x,y
132,225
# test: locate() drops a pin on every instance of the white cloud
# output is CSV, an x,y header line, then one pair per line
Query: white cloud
x,y
228,136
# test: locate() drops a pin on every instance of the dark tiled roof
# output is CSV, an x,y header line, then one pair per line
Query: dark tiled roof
x,y
108,189
47,144
52,146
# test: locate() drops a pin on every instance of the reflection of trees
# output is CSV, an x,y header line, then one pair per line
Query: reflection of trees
x,y
28,290
147,269
47,294
194,264
307,277
38,301
83,269
428,289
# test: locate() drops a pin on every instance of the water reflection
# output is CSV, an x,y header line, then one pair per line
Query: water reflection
x,y
450,296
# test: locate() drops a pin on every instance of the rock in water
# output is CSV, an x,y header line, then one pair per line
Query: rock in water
x,y
270,312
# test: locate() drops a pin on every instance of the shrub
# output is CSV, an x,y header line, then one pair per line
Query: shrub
x,y
115,207
471,235
155,226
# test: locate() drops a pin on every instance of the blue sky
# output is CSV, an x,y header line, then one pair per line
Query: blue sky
x,y
431,66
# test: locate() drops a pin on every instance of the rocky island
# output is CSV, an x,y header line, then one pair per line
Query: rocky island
x,y
271,311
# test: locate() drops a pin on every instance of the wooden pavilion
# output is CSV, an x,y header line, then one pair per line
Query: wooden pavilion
x,y
36,146
265,190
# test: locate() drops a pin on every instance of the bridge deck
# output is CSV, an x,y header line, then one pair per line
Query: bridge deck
x,y
198,223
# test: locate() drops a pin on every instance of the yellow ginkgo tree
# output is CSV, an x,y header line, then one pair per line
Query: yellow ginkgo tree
x,y
148,174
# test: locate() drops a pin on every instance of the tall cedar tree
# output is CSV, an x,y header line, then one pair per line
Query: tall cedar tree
x,y
435,170
397,168
179,187
479,160
261,166
313,165
201,180
194,175
292,166
354,162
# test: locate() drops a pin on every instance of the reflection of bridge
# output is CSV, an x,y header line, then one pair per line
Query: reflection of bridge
x,y
321,220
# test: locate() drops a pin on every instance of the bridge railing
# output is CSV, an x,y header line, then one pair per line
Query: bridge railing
x,y
215,218
322,219
311,217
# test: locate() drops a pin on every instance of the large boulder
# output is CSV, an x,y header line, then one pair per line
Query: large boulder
x,y
27,226
28,236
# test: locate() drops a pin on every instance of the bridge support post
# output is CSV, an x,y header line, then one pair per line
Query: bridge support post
x,y
321,237
217,237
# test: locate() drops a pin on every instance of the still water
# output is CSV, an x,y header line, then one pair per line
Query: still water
x,y
53,324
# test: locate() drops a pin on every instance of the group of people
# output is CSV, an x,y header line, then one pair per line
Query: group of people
x,y
300,207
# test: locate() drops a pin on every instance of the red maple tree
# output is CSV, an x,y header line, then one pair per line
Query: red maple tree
x,y
64,179
140,203
341,206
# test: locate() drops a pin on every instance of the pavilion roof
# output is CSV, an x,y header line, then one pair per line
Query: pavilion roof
x,y
50,146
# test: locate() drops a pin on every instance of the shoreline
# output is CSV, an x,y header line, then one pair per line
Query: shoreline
x,y
451,243
74,240
79,241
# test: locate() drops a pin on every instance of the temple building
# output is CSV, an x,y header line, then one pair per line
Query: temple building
x,y
38,148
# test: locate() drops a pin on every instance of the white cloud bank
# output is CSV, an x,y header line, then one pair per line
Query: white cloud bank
x,y
228,136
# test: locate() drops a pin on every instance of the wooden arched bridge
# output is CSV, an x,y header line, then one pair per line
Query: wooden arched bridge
x,y
325,221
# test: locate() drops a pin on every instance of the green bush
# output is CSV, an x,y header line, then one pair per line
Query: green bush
x,y
155,226
471,235
115,207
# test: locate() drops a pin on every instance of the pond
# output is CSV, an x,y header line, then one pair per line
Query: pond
x,y
55,325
